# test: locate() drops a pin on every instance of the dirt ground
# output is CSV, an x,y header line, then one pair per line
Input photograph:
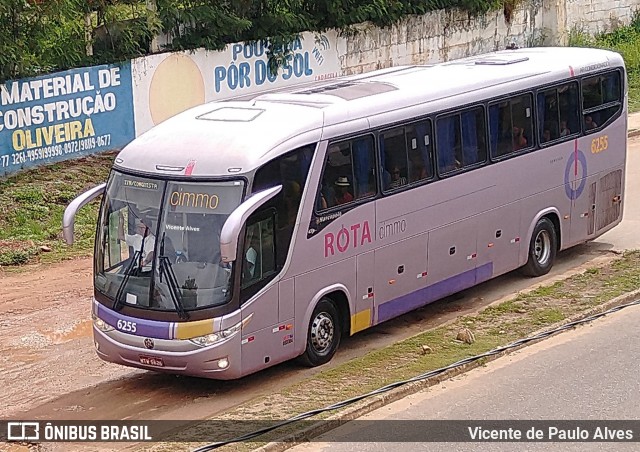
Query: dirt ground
x,y
49,369
45,336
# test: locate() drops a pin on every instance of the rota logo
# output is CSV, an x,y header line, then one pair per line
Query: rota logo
x,y
575,173
346,238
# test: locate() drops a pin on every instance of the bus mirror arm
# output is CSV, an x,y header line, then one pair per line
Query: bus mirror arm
x,y
234,224
68,220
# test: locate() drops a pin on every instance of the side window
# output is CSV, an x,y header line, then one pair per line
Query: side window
x,y
601,99
460,140
259,254
406,155
290,171
349,173
511,125
558,112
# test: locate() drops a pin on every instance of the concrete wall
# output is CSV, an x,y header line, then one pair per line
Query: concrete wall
x,y
449,34
439,36
122,101
599,16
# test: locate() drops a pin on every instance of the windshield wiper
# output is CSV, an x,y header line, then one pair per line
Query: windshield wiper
x,y
117,304
166,269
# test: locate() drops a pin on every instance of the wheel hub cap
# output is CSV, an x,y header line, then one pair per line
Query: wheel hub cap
x,y
322,332
542,247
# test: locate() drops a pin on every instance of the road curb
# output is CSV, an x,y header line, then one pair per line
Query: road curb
x,y
375,402
633,133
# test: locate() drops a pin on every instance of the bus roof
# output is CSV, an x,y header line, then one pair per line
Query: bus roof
x,y
230,137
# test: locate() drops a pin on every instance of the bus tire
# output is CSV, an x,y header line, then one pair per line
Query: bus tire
x,y
323,334
542,248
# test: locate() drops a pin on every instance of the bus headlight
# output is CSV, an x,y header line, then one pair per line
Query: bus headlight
x,y
205,341
213,338
101,324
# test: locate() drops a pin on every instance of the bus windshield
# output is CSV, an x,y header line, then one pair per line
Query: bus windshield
x,y
159,243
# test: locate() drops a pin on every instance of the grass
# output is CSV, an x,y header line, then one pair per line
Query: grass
x,y
495,326
626,41
32,204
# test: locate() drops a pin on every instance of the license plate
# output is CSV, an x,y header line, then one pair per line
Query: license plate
x,y
151,361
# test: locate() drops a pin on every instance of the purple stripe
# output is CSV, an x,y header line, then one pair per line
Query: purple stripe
x,y
484,273
143,327
429,294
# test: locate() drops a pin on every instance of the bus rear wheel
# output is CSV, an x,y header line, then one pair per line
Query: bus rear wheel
x,y
542,248
323,335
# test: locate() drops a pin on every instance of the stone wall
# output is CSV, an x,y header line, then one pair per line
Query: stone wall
x,y
449,34
599,16
136,95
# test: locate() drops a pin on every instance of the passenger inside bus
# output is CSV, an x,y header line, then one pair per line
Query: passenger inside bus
x,y
143,242
292,199
251,257
519,140
589,123
397,179
349,173
418,167
343,194
322,200
259,255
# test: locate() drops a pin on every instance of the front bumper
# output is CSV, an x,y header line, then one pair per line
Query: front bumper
x,y
175,355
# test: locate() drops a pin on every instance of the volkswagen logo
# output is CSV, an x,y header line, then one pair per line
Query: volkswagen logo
x,y
148,343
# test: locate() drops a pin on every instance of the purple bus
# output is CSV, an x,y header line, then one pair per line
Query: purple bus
x,y
240,234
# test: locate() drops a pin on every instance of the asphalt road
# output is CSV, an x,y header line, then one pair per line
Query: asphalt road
x,y
590,373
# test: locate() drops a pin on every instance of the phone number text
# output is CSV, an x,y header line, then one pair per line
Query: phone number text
x,y
56,150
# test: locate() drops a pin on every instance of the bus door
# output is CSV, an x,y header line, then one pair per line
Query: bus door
x,y
265,338
582,191
583,208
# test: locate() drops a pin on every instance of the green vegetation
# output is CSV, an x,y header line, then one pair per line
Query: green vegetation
x,y
498,325
626,41
32,204
41,36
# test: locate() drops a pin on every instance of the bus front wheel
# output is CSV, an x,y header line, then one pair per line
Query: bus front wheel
x,y
542,248
323,335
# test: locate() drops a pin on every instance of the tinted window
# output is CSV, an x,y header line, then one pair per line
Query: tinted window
x,y
558,112
511,125
291,172
259,255
349,173
406,155
601,99
460,140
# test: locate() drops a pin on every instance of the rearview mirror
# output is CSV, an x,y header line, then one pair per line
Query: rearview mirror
x,y
232,227
68,220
